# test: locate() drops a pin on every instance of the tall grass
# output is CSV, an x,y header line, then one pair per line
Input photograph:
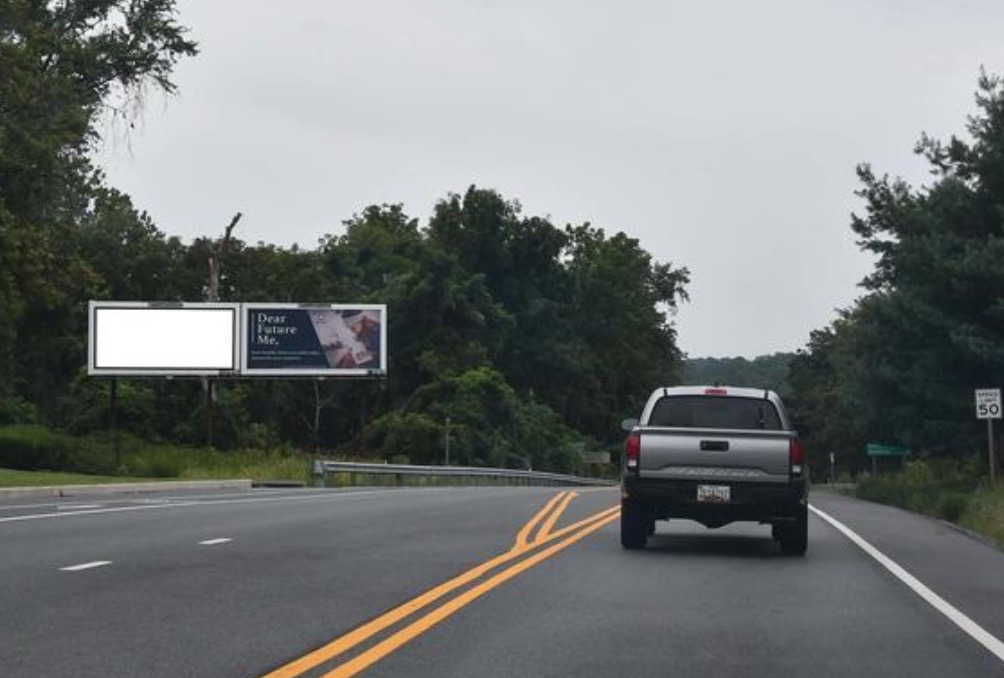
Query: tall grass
x,y
937,487
984,514
33,448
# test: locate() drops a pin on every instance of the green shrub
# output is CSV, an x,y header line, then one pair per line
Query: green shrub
x,y
951,506
33,447
411,436
936,487
17,410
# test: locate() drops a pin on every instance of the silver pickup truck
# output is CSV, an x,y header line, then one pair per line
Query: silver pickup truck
x,y
716,455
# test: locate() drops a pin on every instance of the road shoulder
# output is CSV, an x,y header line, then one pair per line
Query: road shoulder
x,y
963,569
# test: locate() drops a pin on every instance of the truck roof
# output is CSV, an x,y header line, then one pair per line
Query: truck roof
x,y
736,391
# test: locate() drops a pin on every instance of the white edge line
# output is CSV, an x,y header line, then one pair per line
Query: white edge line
x,y
150,507
974,630
193,500
214,542
86,566
21,507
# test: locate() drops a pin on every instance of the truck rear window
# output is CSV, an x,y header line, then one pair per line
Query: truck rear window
x,y
715,412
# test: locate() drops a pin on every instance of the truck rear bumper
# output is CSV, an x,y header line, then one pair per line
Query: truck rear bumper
x,y
761,502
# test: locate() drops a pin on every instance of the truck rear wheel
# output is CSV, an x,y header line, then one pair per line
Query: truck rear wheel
x,y
635,524
794,537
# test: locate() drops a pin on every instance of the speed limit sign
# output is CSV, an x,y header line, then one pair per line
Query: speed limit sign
x,y
988,403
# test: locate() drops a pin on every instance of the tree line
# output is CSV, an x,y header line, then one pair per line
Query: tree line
x,y
765,371
901,364
531,339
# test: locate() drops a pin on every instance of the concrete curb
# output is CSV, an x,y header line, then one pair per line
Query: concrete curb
x,y
120,488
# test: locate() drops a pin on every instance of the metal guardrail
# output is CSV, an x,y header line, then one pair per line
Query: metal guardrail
x,y
462,474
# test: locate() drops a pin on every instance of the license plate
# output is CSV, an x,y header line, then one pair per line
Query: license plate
x,y
714,494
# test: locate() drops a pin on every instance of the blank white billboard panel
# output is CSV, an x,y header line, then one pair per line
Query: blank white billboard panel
x,y
182,340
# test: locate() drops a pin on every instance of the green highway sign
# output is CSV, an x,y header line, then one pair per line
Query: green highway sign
x,y
877,450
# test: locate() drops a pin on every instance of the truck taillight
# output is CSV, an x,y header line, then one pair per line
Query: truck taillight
x,y
797,455
632,451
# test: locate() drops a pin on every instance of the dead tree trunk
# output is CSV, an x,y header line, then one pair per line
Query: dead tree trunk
x,y
213,295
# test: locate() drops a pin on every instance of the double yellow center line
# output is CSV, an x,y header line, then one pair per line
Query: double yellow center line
x,y
529,549
562,500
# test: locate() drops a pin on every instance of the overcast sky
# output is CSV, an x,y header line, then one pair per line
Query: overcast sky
x,y
723,135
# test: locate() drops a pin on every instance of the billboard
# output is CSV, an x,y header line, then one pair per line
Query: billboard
x,y
316,340
162,339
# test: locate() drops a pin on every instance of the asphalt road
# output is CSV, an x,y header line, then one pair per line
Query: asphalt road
x,y
479,581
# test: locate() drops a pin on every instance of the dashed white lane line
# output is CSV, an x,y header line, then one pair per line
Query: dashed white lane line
x,y
78,507
214,542
86,566
974,630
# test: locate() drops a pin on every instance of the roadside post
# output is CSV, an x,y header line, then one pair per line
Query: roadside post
x,y
447,441
988,406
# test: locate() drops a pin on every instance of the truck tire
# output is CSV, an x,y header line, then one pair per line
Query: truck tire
x,y
794,537
634,525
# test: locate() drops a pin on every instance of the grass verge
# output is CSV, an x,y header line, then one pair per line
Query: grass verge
x,y
49,455
15,478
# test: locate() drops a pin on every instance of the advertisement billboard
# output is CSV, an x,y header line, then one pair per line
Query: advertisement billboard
x,y
162,339
316,340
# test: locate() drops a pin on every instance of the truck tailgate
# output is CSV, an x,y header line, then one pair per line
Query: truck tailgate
x,y
720,455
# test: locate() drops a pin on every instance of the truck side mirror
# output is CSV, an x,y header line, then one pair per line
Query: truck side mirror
x,y
629,424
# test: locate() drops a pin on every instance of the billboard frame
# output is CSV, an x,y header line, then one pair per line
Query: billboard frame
x,y
311,373
94,370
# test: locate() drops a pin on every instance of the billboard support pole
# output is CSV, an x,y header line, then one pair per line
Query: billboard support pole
x,y
268,418
210,391
316,430
114,407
